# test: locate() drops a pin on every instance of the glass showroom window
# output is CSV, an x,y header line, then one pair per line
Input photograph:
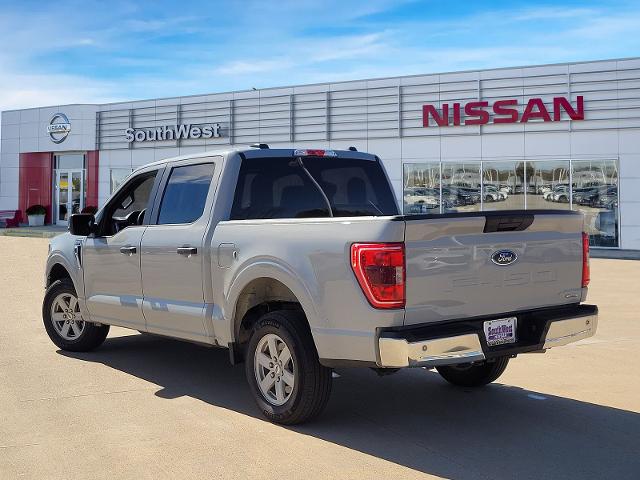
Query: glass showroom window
x,y
548,184
590,186
456,184
595,193
503,185
461,187
421,188
118,176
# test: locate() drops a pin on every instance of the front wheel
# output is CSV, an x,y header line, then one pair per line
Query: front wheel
x,y
286,379
474,374
64,323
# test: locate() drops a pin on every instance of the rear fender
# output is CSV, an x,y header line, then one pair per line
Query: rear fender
x,y
266,268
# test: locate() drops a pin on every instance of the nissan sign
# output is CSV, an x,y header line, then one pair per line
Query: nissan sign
x,y
59,128
173,132
504,111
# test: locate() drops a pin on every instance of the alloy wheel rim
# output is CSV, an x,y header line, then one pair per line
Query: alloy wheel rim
x,y
66,317
274,369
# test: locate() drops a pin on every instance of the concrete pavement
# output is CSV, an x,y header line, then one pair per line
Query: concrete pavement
x,y
143,407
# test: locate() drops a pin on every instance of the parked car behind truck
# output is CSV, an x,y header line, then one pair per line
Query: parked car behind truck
x,y
298,262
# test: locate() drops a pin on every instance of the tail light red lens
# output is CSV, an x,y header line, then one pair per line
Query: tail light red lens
x,y
586,271
380,270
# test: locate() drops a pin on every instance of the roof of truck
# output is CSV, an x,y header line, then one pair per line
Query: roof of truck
x,y
255,152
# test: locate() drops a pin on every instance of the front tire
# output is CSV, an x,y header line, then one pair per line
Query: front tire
x,y
474,375
284,374
64,323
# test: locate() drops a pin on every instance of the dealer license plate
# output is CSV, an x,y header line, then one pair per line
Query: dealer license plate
x,y
500,331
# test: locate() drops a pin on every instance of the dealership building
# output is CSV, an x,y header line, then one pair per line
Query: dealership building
x,y
551,136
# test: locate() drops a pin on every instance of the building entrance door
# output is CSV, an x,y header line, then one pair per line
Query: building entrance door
x,y
69,195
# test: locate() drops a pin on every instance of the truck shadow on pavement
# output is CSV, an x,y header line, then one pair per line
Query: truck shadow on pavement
x,y
412,418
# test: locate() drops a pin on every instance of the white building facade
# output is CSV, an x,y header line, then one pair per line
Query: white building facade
x,y
537,137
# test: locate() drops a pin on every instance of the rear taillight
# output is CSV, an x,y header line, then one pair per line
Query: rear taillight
x,y
586,272
380,270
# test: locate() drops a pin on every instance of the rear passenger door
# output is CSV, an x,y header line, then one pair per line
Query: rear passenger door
x,y
173,250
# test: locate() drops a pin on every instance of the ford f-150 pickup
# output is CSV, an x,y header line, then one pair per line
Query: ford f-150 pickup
x,y
299,262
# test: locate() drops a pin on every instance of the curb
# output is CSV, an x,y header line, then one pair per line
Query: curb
x,y
17,232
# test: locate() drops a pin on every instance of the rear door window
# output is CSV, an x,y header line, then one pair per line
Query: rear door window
x,y
185,194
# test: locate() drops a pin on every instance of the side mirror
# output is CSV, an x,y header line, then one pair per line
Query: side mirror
x,y
82,224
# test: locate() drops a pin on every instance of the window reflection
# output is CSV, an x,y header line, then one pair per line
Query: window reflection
x,y
595,193
502,187
590,186
421,188
461,187
548,184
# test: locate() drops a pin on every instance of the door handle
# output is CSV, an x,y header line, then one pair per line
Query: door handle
x,y
187,251
128,250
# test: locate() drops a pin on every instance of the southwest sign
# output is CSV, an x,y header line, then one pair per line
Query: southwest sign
x,y
504,111
172,132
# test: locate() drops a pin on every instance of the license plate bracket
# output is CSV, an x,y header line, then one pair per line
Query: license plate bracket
x,y
500,331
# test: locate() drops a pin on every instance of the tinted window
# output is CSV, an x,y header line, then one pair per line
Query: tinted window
x,y
185,194
129,206
136,198
276,188
354,187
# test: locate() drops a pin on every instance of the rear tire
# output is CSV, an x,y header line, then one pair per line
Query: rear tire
x,y
474,375
64,323
285,376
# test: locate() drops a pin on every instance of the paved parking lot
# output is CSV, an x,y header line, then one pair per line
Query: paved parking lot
x,y
142,407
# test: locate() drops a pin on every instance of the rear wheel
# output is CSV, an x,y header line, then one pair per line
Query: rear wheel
x,y
284,374
474,374
64,323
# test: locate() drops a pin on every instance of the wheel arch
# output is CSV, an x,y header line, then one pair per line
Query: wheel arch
x,y
259,296
263,287
57,272
58,268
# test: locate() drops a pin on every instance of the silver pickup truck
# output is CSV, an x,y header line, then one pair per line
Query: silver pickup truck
x,y
299,262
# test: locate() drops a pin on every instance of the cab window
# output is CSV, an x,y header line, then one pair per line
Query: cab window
x,y
276,188
185,194
130,204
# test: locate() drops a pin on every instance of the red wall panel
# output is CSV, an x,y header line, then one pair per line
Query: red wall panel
x,y
35,182
91,188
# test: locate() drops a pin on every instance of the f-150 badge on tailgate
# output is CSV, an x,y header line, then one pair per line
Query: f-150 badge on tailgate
x,y
504,257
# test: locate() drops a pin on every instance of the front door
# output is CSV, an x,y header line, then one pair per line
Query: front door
x,y
69,195
173,252
111,258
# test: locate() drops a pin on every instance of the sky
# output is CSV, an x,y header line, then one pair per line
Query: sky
x,y
60,52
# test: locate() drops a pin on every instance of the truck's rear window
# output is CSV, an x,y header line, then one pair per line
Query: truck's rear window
x,y
354,187
282,188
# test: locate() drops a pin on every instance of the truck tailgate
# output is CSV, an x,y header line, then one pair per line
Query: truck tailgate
x,y
455,270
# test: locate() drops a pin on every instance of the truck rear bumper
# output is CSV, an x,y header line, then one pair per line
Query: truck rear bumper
x,y
462,341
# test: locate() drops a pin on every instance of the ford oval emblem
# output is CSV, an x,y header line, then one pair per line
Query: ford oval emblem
x,y
504,257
